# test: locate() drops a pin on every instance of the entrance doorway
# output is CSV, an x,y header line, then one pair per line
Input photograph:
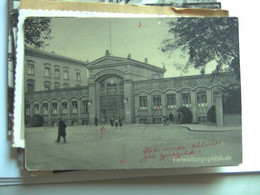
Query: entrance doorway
x,y
111,98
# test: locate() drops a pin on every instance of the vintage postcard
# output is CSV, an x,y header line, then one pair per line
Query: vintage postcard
x,y
131,93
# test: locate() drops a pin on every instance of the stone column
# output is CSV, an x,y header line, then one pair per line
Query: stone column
x,y
219,110
150,107
97,100
193,105
209,98
129,101
92,103
69,112
79,112
136,107
163,102
178,100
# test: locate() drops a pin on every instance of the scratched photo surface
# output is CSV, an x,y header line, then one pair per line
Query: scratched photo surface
x,y
131,93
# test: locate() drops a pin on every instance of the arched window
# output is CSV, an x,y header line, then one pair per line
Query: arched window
x,y
202,98
111,86
171,101
143,105
186,99
64,107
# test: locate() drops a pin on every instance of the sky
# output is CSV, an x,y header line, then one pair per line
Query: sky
x,y
88,39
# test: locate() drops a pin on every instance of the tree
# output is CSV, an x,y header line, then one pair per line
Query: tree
x,y
37,120
204,40
36,31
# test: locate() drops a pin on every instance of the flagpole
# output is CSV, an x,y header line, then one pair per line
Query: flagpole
x,y
110,37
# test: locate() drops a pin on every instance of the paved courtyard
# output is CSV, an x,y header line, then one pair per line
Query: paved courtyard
x,y
133,146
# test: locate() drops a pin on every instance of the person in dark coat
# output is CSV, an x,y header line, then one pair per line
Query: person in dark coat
x,y
116,123
179,118
171,117
112,122
96,121
165,119
120,121
61,130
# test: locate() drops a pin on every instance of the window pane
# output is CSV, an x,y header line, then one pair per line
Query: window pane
x,y
157,102
186,99
171,101
45,108
143,102
74,107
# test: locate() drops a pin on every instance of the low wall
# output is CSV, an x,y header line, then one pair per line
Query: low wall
x,y
232,120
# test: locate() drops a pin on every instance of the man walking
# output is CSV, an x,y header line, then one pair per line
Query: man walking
x,y
96,121
171,117
120,122
61,131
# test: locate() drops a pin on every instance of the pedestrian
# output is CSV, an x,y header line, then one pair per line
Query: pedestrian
x,y
171,117
112,122
116,123
120,122
61,131
165,119
96,121
179,117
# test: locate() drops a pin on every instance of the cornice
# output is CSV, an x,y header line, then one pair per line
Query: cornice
x,y
49,55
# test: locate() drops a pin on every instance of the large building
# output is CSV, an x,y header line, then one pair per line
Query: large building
x,y
61,87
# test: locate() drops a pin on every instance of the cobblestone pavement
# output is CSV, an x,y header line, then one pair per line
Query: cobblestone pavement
x,y
133,146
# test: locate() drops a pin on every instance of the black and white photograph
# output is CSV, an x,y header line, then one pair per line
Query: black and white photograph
x,y
131,93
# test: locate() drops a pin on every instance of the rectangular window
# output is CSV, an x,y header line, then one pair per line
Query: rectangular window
x,y
65,85
30,69
54,108
47,72
74,107
65,75
157,102
36,108
78,76
30,87
27,110
143,103
47,85
56,85
202,99
64,109
171,101
57,73
45,108
186,99
85,106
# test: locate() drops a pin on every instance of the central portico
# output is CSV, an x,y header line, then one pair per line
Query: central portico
x,y
110,82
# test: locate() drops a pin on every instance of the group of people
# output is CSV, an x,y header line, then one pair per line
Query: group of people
x,y
171,119
116,122
113,121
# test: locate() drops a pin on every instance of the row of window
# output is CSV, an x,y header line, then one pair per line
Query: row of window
x,y
47,85
53,108
57,74
171,101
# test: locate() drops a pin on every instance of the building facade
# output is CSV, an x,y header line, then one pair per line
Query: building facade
x,y
111,87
